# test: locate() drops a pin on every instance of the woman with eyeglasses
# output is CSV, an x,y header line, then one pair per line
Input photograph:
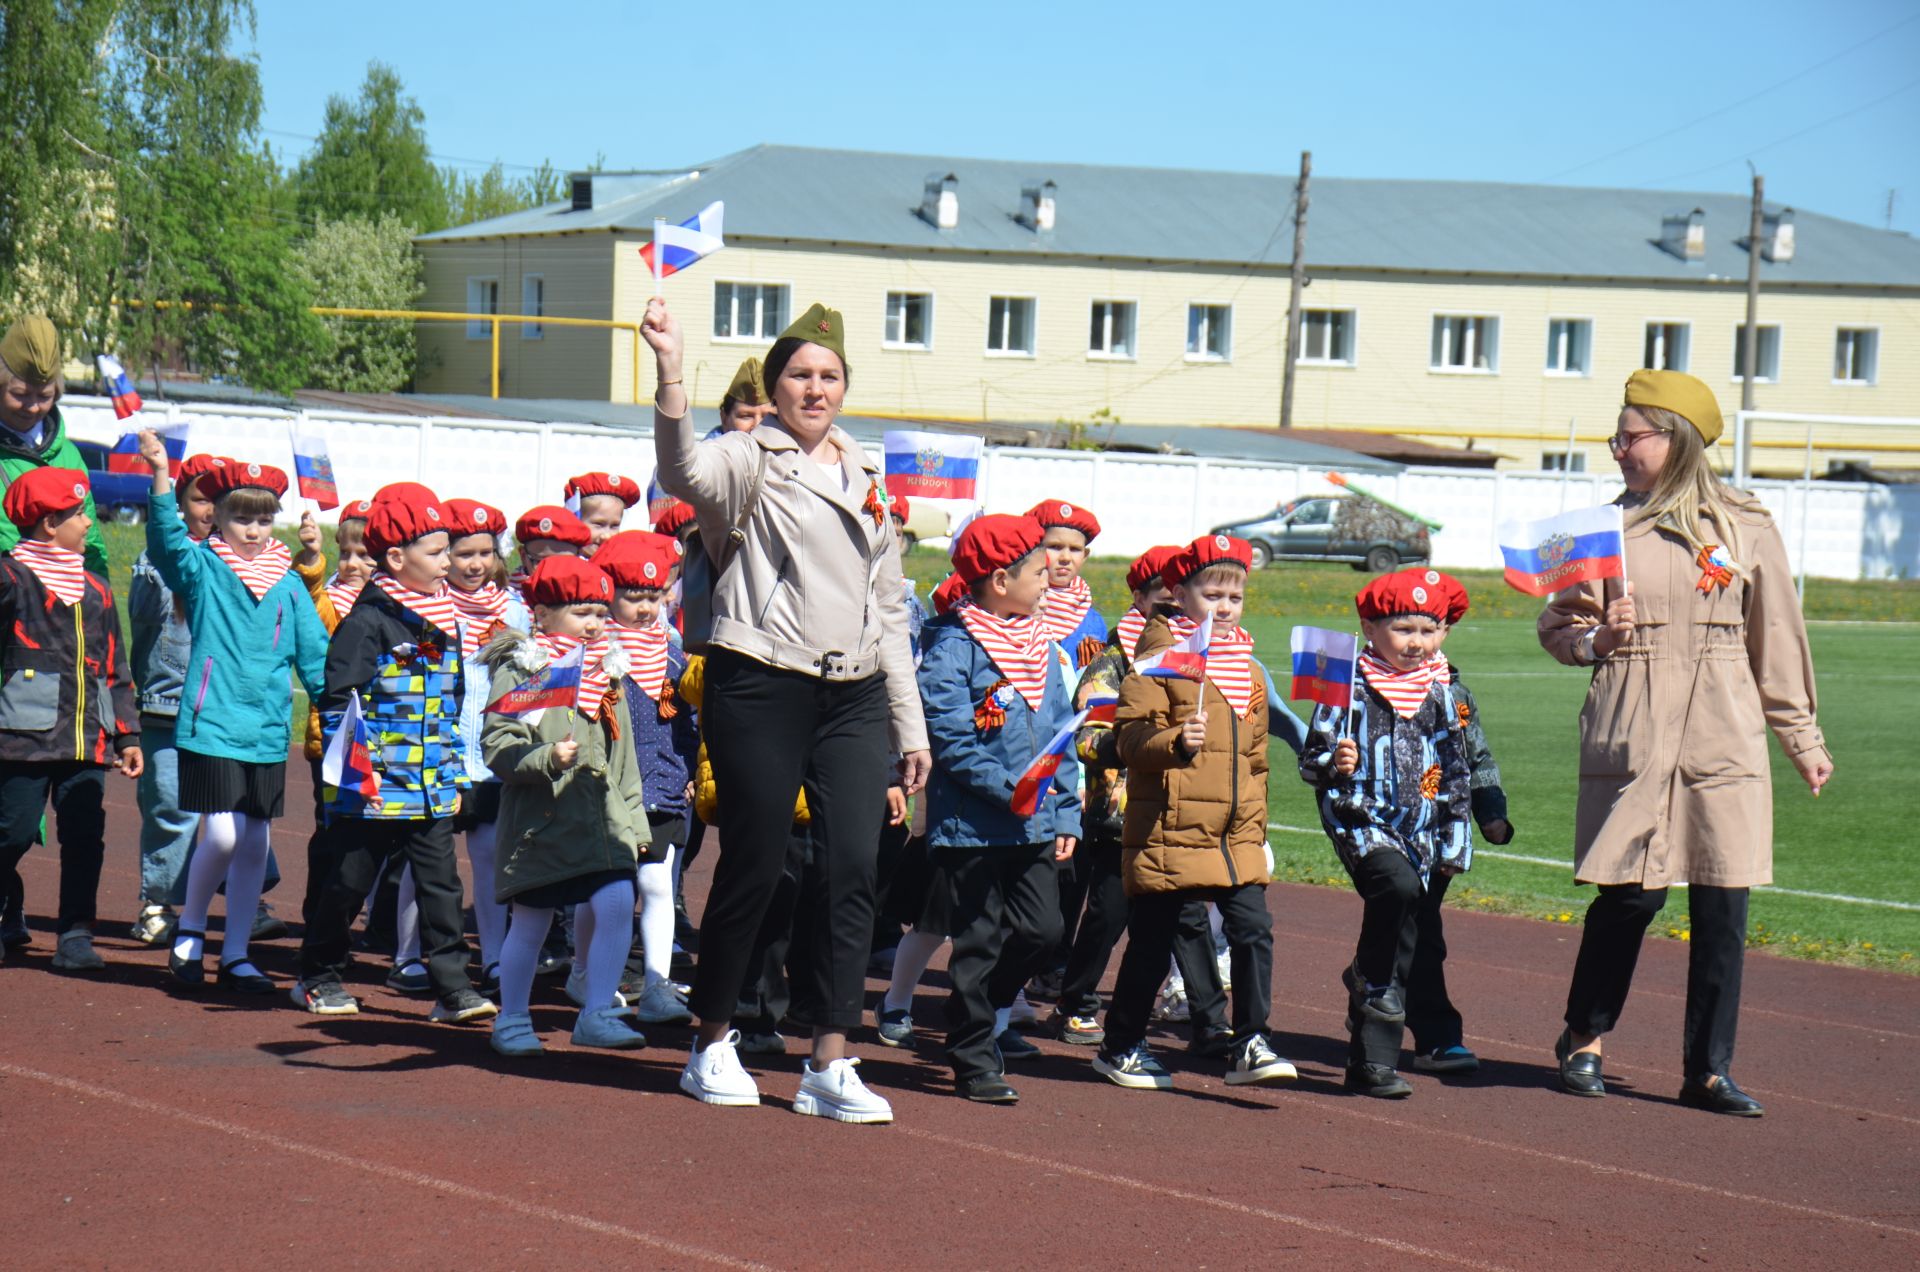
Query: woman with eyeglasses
x,y
1695,658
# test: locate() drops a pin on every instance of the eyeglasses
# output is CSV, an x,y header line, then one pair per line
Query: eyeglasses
x,y
1621,443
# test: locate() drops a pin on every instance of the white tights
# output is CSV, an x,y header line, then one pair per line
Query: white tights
x,y
232,847
910,961
603,926
656,916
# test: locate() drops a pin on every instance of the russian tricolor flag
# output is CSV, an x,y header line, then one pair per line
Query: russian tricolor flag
x,y
126,400
1038,778
1543,557
555,685
932,465
125,455
1186,660
313,469
1102,709
1323,665
348,762
675,247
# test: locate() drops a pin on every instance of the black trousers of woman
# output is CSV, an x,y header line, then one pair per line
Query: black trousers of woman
x,y
1716,952
769,732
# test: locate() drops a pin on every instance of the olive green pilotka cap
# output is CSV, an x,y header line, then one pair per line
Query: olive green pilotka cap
x,y
821,326
31,350
749,387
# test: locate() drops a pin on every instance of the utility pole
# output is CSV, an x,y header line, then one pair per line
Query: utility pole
x,y
1299,284
1750,338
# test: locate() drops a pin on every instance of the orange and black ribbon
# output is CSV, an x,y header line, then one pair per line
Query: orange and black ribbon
x,y
1712,573
990,714
876,505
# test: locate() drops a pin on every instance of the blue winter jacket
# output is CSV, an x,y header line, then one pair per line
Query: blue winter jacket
x,y
665,749
238,697
970,793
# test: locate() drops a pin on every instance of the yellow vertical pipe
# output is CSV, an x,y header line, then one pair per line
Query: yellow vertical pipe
x,y
494,327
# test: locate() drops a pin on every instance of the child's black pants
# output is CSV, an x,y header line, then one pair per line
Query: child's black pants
x,y
80,823
356,848
1152,927
1006,921
1401,943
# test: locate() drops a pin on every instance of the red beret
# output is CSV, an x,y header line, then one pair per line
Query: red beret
x,y
569,580
1450,587
994,542
195,466
625,489
470,516
1147,566
358,510
43,491
901,507
400,516
550,521
1058,512
673,516
639,558
1406,592
405,490
226,475
951,591
1208,549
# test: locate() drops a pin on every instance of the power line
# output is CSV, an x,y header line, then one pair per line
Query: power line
x,y
1793,136
454,159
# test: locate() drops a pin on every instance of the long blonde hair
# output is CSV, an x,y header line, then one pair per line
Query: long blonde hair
x,y
1688,490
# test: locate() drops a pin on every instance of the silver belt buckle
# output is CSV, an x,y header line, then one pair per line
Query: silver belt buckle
x,y
833,664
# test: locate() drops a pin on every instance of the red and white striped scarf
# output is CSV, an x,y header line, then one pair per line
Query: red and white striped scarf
x,y
343,595
435,607
62,571
259,574
646,650
482,613
1229,661
1403,690
1018,647
1131,624
1064,608
593,668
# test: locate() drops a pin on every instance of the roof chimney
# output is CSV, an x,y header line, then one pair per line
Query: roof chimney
x,y
940,204
582,186
1685,235
1036,206
1776,243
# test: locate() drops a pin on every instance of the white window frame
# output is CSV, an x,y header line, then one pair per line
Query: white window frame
x,y
481,330
1779,352
886,319
1873,370
1104,355
1687,324
533,306
1574,461
1033,326
1202,356
1443,368
1560,373
1301,357
778,325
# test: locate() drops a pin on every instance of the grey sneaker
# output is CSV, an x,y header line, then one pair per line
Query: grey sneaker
x,y
267,926
513,1035
602,1027
325,998
1255,1061
895,1027
75,953
1136,1069
462,1006
769,1043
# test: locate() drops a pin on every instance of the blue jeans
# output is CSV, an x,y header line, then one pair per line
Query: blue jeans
x,y
167,833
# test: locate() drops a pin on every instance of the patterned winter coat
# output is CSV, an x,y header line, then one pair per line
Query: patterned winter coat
x,y
1489,797
1097,747
66,694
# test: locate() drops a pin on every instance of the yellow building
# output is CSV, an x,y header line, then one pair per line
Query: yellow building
x,y
1497,317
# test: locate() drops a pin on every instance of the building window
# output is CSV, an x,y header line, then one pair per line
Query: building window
x,y
1112,334
483,297
1856,355
1563,461
1766,353
1209,333
1569,346
1465,342
1010,325
1667,346
749,311
909,320
1326,335
533,303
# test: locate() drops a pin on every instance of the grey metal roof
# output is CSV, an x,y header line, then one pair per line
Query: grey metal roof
x,y
860,198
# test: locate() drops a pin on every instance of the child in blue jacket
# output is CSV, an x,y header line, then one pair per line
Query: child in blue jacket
x,y
995,694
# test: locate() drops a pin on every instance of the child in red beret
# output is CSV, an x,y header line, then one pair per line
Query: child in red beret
x,y
1392,777
544,531
60,645
600,500
1068,617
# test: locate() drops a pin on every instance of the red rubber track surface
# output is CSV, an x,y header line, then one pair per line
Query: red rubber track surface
x,y
139,1127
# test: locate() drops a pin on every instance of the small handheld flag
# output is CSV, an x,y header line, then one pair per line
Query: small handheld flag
x,y
126,400
555,685
1102,709
675,247
932,465
1575,547
125,455
1037,780
313,468
1323,665
1184,661
348,762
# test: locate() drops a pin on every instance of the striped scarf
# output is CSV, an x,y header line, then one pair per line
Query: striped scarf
x,y
593,668
483,612
1403,690
435,607
1131,624
646,650
1229,661
259,574
60,570
343,595
1064,607
1017,646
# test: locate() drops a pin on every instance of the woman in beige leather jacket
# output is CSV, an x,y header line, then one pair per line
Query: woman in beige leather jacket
x,y
809,683
1696,657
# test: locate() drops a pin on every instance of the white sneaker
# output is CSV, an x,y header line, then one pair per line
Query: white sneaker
x,y
577,988
1255,1061
1172,1006
75,953
513,1035
1023,1015
839,1094
602,1027
659,1005
714,1076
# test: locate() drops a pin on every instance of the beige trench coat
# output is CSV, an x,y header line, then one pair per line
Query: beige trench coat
x,y
1674,778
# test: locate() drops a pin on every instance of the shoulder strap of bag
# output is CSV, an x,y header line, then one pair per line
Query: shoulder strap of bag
x,y
737,535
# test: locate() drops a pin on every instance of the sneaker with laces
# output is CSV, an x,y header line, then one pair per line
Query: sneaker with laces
x,y
75,952
1255,1061
155,925
713,1075
838,1093
513,1035
577,989
659,1005
1022,1015
602,1027
324,998
462,1006
1080,1028
1172,1006
1135,1069
267,926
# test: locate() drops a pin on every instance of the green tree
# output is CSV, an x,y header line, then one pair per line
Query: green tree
x,y
492,193
371,159
360,264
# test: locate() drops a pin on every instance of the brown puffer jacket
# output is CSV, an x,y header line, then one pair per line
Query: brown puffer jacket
x,y
1199,823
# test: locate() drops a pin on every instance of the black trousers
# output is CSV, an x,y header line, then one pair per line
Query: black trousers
x,y
355,851
1077,881
1101,927
768,993
887,862
1716,955
1152,925
1391,916
769,734
78,792
1431,1016
1006,921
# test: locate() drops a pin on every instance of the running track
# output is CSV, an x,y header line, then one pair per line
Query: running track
x,y
143,1128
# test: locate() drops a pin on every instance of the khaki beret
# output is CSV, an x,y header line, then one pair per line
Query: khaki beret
x,y
1680,393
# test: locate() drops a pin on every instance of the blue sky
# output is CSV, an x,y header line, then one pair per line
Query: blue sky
x,y
1825,98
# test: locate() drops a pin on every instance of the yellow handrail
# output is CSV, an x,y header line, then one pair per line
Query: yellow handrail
x,y
494,321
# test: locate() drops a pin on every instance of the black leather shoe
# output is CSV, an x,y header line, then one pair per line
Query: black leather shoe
x,y
248,981
1579,1070
1378,1081
190,972
989,1088
1721,1096
1383,1005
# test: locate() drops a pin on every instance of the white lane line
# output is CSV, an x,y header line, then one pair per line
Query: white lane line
x,y
418,1179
